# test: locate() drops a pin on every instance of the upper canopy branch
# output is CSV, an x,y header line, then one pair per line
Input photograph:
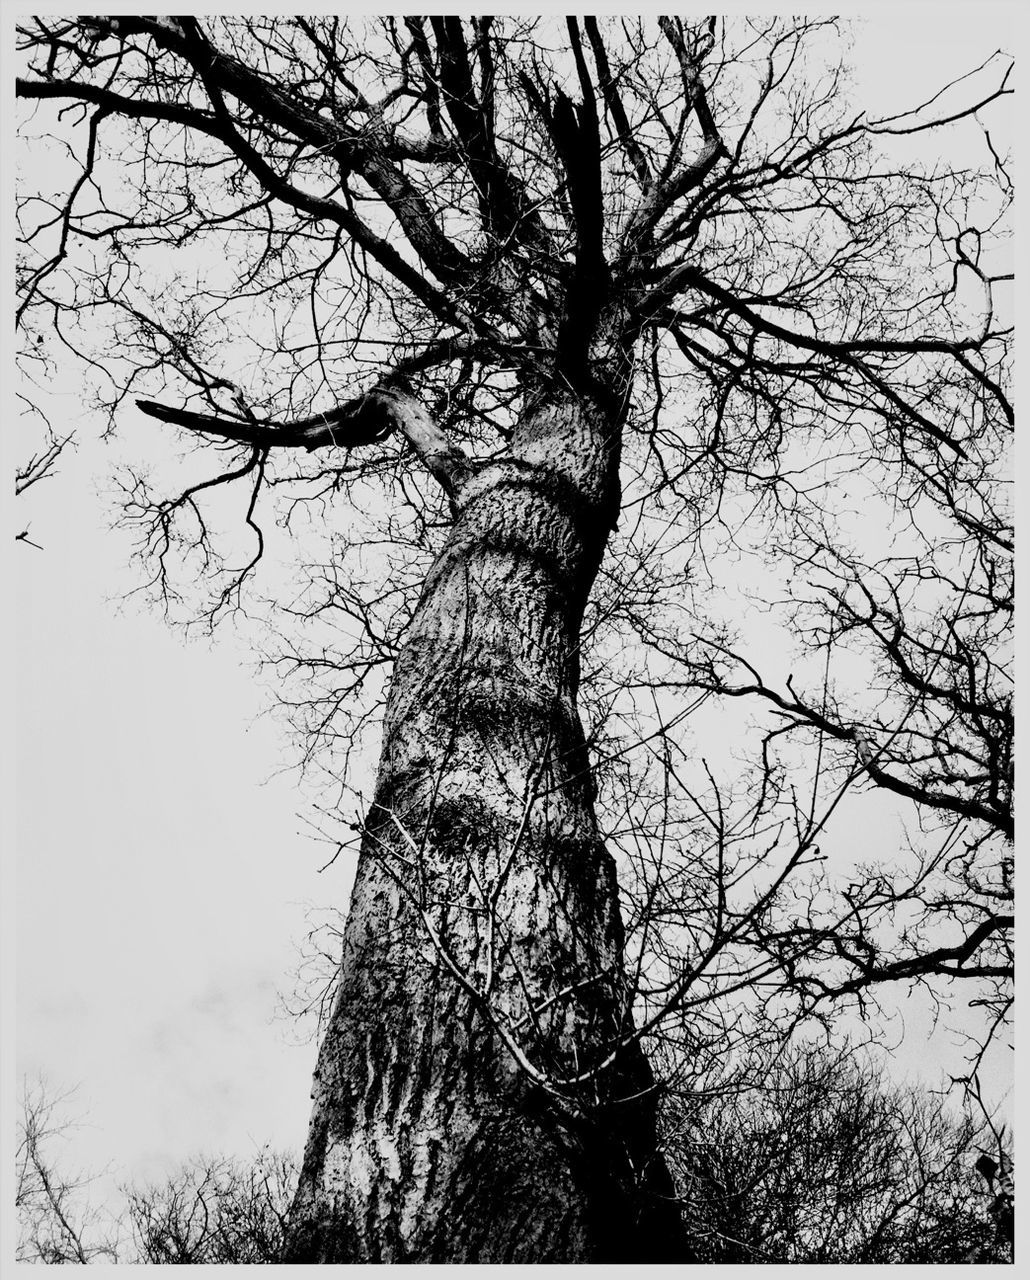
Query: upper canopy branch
x,y
616,109
693,88
847,352
320,207
365,151
688,276
505,206
893,125
675,178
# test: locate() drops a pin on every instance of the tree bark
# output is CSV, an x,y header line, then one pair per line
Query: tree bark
x,y
471,1103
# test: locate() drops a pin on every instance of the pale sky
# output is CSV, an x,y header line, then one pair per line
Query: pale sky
x,y
162,869
161,878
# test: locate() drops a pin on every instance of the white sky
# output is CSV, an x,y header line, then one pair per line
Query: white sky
x,y
161,870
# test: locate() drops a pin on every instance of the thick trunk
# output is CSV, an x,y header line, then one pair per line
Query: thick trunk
x,y
457,1116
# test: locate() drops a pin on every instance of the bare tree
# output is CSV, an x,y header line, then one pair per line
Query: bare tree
x,y
820,1160
211,1210
530,322
56,1221
214,1210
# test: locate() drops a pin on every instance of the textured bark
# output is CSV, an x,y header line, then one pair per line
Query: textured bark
x,y
482,961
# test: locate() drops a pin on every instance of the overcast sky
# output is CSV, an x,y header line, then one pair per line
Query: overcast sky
x,y
162,869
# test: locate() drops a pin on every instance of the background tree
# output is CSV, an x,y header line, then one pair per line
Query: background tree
x,y
213,1211
817,1160
56,1221
823,1161
606,303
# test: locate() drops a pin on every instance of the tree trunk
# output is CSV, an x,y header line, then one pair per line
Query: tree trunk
x,y
461,1110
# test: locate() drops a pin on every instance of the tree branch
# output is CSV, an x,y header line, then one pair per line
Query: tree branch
x,y
365,420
